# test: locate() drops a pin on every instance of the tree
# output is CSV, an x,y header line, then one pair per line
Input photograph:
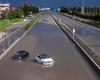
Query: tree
x,y
27,9
18,13
64,9
5,14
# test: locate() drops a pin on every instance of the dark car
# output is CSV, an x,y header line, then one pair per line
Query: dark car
x,y
20,55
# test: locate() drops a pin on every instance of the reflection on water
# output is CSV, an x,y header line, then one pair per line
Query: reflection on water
x,y
21,60
81,31
44,66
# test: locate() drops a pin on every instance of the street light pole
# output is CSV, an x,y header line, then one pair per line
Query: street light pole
x,y
8,5
82,6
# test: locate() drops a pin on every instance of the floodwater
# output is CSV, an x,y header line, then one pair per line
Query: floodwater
x,y
48,38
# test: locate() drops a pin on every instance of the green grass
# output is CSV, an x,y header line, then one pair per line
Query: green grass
x,y
33,22
4,24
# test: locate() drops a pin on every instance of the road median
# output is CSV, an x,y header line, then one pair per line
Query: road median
x,y
32,22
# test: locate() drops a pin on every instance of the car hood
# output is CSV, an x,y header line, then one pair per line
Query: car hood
x,y
47,60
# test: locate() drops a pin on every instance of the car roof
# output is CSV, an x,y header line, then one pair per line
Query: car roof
x,y
43,55
22,52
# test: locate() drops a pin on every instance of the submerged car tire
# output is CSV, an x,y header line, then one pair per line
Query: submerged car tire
x,y
42,63
35,60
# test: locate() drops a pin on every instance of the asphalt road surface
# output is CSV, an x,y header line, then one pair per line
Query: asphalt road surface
x,y
87,33
46,37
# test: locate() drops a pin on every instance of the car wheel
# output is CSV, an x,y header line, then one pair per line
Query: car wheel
x,y
35,60
41,62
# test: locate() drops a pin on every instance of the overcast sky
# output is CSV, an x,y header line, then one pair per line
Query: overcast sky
x,y
53,3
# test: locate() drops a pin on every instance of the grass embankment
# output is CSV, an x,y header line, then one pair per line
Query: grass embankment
x,y
4,24
32,22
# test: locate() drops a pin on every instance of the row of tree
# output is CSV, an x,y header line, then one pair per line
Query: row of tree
x,y
19,12
89,12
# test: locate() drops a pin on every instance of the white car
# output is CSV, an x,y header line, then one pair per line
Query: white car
x,y
25,20
46,20
44,59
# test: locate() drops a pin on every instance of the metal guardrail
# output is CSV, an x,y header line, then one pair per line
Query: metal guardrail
x,y
10,39
7,42
93,58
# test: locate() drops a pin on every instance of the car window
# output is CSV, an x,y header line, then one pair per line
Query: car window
x,y
44,56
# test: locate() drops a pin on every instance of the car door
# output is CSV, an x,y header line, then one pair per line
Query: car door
x,y
38,59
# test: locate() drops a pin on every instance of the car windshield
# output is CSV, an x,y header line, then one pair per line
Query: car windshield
x,y
44,56
17,54
20,53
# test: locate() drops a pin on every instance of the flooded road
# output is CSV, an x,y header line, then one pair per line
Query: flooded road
x,y
47,37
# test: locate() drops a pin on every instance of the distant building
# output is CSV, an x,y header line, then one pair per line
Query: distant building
x,y
44,9
4,7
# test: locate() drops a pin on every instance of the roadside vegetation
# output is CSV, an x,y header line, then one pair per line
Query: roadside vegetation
x,y
11,17
31,23
89,12
92,13
4,24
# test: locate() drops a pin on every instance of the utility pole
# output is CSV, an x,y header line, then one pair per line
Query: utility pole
x,y
82,8
7,18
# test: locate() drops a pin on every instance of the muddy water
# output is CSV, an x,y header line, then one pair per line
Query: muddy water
x,y
48,38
